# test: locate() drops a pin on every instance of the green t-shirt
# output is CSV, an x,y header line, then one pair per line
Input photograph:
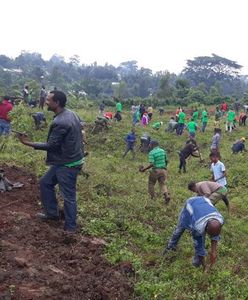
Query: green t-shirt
x,y
75,163
192,126
181,118
158,158
195,116
204,116
156,125
119,107
231,116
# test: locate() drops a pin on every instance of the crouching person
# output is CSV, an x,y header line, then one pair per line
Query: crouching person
x,y
200,217
212,190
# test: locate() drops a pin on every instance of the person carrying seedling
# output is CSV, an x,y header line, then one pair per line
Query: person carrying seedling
x,y
239,146
212,190
200,217
130,141
158,161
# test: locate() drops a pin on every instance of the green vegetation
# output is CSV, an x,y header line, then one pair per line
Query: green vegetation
x,y
205,79
114,205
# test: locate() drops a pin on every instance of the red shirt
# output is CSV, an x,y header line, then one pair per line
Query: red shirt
x,y
5,108
108,115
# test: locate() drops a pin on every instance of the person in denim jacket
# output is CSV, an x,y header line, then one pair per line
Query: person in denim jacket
x,y
200,217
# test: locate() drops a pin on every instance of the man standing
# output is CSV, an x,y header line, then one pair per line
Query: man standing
x,y
218,169
192,127
119,107
158,163
212,190
130,141
43,95
195,116
65,157
215,145
5,108
200,217
181,122
230,120
204,119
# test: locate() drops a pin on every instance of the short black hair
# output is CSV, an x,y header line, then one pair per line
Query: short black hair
x,y
191,185
154,143
59,97
6,98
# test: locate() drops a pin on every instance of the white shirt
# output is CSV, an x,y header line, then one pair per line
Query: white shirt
x,y
218,170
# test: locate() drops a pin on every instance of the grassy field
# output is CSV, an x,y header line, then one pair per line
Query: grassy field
x,y
114,205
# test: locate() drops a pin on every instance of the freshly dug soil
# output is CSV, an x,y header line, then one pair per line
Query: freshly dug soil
x,y
39,261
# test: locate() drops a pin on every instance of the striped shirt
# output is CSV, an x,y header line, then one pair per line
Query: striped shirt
x,y
158,158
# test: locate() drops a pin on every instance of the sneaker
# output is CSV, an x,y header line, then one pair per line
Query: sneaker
x,y
45,217
196,261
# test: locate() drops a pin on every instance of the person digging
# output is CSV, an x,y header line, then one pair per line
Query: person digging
x,y
158,170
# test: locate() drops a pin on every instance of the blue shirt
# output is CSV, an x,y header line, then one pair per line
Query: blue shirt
x,y
131,138
197,212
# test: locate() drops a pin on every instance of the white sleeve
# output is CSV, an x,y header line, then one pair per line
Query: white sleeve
x,y
223,169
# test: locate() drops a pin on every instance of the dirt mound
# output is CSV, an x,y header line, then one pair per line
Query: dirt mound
x,y
39,261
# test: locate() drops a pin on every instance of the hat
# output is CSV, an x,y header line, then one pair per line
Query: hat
x,y
161,123
243,139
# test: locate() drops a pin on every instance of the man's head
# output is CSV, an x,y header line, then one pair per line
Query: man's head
x,y
43,87
217,130
214,157
172,118
6,98
213,227
192,186
242,139
153,144
56,100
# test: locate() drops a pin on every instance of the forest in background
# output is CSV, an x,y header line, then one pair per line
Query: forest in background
x,y
205,80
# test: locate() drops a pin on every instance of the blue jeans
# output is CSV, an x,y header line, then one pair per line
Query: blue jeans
x,y
4,127
66,178
204,125
198,240
180,128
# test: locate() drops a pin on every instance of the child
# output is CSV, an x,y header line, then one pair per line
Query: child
x,y
216,140
218,170
144,120
130,141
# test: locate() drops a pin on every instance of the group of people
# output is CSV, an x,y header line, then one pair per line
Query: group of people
x,y
65,156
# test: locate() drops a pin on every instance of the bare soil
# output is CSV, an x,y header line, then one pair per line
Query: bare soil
x,y
39,261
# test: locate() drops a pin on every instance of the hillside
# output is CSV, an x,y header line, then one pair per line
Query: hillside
x,y
114,206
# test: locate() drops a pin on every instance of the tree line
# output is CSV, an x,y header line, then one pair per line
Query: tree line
x,y
205,79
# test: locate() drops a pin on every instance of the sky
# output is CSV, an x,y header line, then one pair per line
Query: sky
x,y
159,34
